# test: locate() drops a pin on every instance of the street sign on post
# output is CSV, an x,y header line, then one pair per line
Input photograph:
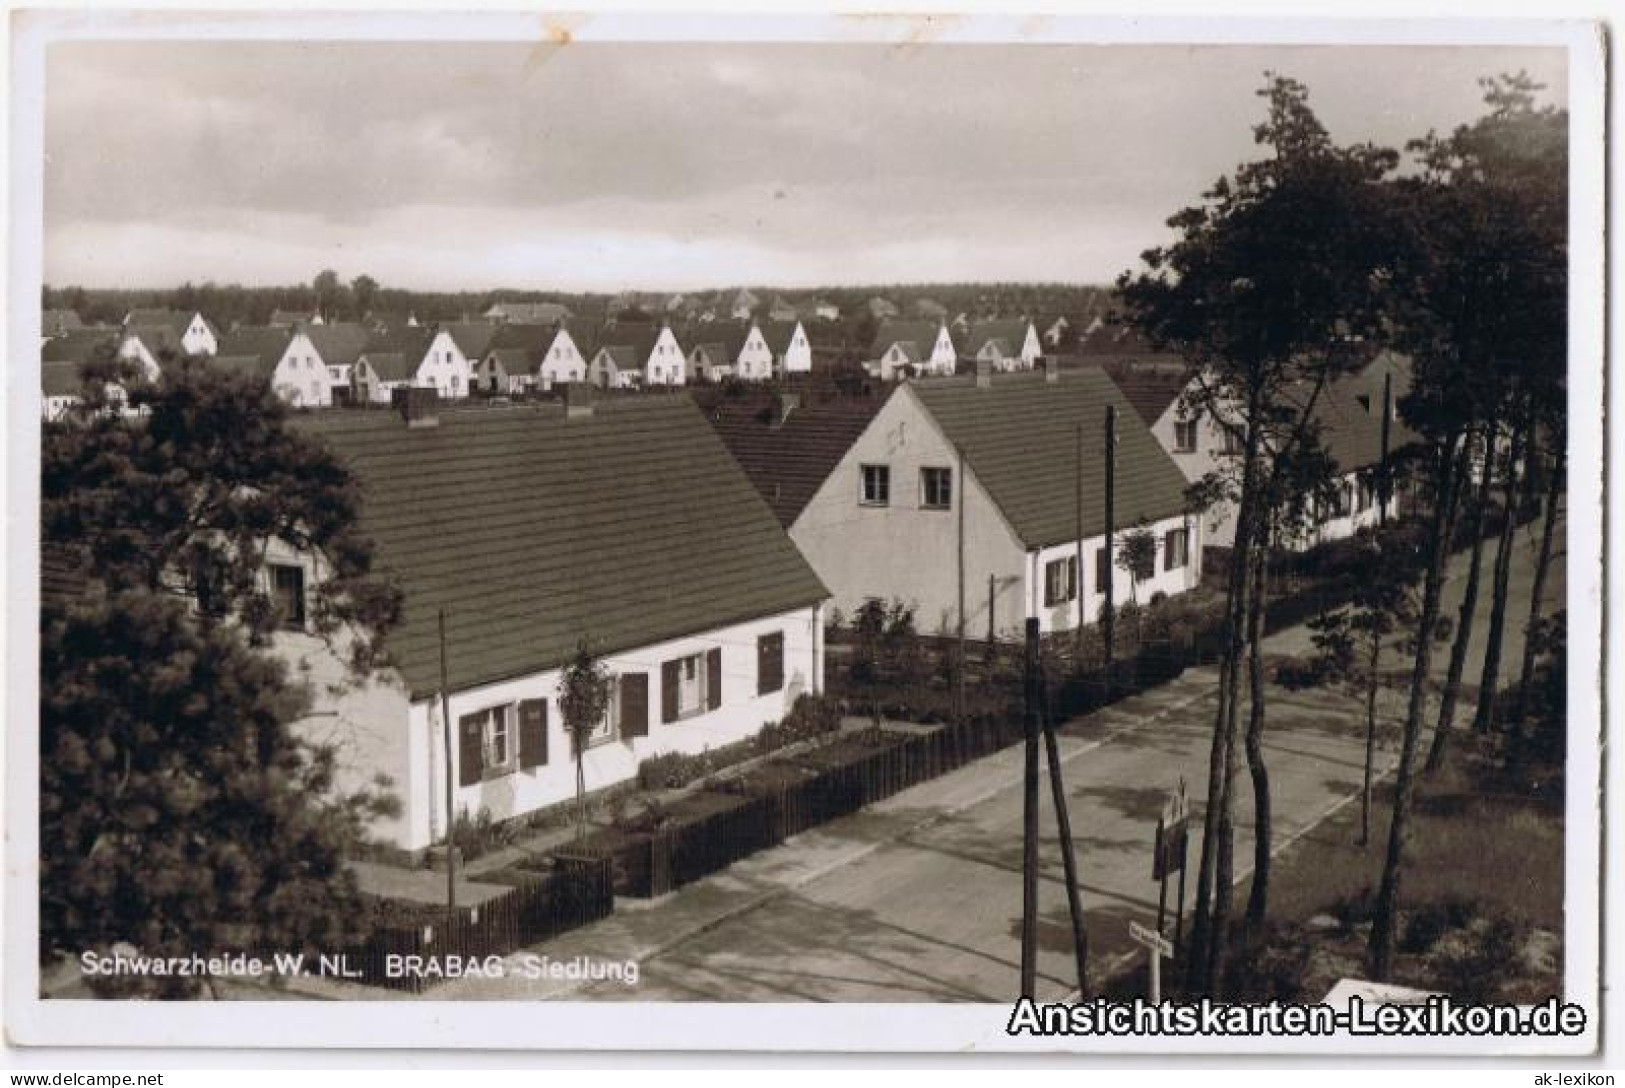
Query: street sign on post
x,y
1157,946
1168,855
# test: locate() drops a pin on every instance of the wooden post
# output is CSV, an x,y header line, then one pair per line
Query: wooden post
x,y
1384,485
1162,868
1063,824
988,655
1109,618
1029,823
445,715
1179,906
1156,976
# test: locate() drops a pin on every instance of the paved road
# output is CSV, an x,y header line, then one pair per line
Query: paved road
x,y
919,898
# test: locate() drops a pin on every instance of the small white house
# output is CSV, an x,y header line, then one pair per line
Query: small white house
x,y
422,358
185,333
520,358
286,357
912,347
697,657
1007,345
636,355
792,351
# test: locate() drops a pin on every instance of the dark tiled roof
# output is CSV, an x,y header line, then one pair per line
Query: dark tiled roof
x,y
174,320
922,334
513,336
789,462
1020,436
339,343
256,366
471,337
628,527
263,342
62,575
778,334
289,317
60,378
392,366
78,346
1009,335
1350,434
1150,385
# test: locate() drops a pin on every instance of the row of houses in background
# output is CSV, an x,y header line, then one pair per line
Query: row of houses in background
x,y
979,499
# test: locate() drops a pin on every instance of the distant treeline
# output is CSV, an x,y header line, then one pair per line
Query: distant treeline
x,y
229,305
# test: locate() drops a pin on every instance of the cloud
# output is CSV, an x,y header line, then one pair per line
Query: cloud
x,y
465,164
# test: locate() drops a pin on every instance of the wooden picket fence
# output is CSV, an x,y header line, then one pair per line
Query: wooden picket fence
x,y
578,891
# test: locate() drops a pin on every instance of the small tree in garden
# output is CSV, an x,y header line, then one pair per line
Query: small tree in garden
x,y
583,701
1137,556
1350,642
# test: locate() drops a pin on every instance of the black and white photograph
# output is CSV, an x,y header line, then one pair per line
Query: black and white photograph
x,y
906,532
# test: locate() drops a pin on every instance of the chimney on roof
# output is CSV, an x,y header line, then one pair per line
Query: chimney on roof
x,y
1052,369
984,373
577,400
783,405
419,406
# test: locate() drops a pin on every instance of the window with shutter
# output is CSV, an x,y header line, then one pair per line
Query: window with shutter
x,y
670,672
635,705
713,677
532,733
471,749
770,663
1103,570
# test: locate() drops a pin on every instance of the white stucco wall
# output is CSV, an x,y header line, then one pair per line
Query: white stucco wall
x,y
798,353
666,365
198,340
301,378
742,713
563,362
904,550
1063,615
755,360
445,367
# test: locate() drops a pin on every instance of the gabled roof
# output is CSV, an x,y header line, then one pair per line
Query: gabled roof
x,y
787,462
339,343
778,334
518,563
1020,434
629,343
1350,435
391,366
289,317
175,322
79,345
921,334
724,340
264,343
471,337
1008,336
521,349
411,344
1151,385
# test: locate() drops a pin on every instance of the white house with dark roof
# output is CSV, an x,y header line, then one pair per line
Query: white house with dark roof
x,y
744,305
286,357
885,522
698,658
520,358
421,358
911,347
1007,345
527,313
185,333
632,355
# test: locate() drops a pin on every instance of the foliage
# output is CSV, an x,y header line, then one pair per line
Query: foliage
x,y
1137,556
178,812
888,646
583,695
812,716
184,500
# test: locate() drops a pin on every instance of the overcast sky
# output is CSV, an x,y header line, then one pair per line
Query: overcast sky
x,y
606,166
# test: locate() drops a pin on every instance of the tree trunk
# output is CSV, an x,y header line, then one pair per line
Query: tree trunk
x,y
1258,897
1380,947
1554,494
1206,918
1469,605
1373,662
1484,720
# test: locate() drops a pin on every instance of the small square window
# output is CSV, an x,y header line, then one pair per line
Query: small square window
x,y
876,485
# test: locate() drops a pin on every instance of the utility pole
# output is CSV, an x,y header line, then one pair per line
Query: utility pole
x,y
1063,824
445,716
1384,485
1109,619
1077,580
988,655
1029,822
957,495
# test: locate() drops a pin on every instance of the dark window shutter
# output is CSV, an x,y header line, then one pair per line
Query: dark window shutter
x,y
635,704
770,663
1103,570
669,672
532,733
713,677
471,749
